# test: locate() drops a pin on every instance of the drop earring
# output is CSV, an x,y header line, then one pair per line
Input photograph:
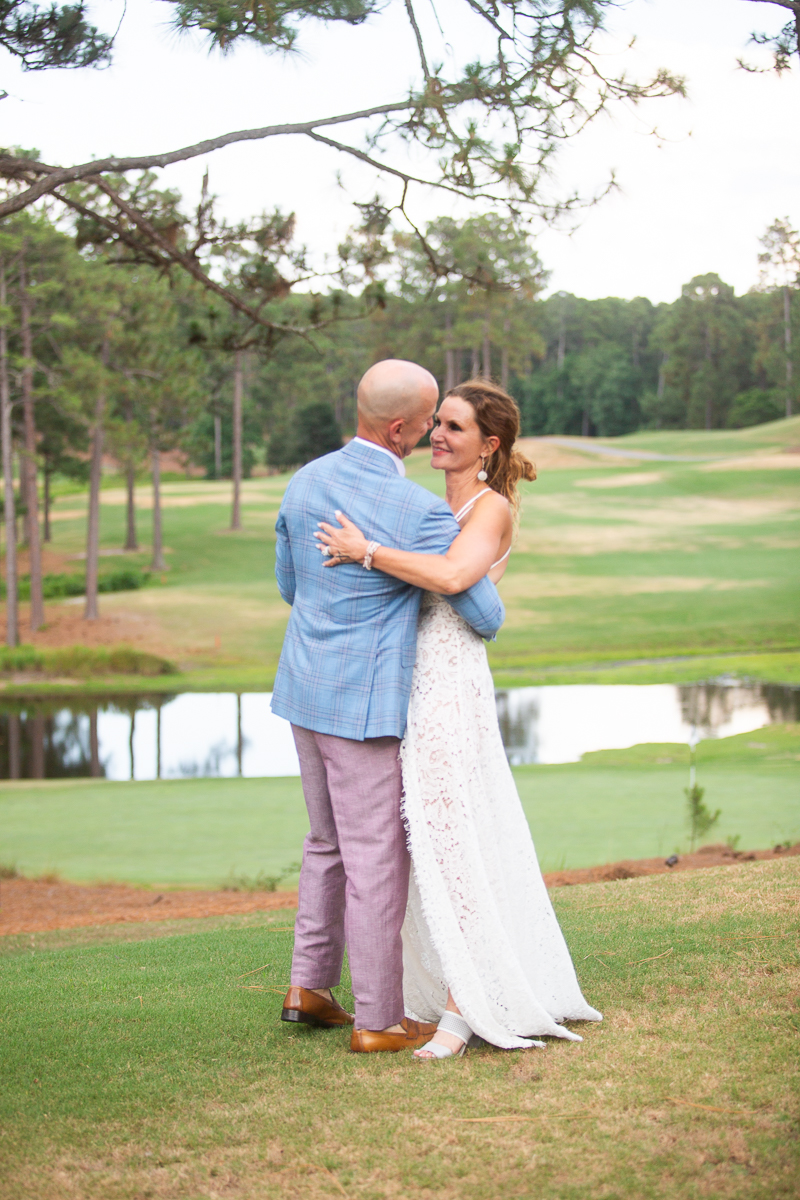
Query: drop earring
x,y
482,476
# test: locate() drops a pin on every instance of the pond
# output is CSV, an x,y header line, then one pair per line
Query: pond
x,y
206,735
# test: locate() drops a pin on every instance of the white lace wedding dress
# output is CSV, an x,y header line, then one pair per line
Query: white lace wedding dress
x,y
479,918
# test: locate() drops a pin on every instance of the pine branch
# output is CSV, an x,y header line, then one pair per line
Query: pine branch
x,y
12,167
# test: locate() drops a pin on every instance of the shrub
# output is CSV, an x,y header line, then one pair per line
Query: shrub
x,y
701,819
126,579
20,658
755,407
84,661
97,660
56,587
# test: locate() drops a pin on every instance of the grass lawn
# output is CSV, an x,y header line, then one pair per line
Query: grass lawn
x,y
621,568
146,1062
612,805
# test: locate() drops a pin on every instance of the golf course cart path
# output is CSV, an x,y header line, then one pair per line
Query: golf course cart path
x,y
585,444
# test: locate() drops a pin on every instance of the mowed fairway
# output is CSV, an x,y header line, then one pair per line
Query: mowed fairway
x,y
613,805
142,1065
617,560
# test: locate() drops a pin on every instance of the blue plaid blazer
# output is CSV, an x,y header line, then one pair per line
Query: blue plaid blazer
x,y
350,646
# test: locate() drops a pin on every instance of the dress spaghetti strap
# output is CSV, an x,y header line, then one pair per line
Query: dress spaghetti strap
x,y
462,512
502,559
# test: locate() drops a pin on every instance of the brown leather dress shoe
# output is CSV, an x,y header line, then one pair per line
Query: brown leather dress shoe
x,y
417,1033
301,1004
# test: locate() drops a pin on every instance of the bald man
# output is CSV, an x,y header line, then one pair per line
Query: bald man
x,y
344,682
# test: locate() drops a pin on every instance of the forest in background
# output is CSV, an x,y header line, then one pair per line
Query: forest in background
x,y
164,352
105,355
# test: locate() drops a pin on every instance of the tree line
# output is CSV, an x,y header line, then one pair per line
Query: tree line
x,y
102,353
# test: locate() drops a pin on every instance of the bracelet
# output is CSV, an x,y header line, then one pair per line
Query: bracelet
x,y
370,551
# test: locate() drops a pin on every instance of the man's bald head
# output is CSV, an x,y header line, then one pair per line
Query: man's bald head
x,y
396,403
395,388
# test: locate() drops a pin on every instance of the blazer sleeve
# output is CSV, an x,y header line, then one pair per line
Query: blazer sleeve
x,y
284,564
480,605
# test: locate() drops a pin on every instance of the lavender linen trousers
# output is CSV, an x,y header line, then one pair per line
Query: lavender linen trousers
x,y
354,881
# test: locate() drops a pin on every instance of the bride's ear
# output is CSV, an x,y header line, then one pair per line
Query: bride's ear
x,y
490,445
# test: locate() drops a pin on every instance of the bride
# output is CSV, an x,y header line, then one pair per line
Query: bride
x,y
482,949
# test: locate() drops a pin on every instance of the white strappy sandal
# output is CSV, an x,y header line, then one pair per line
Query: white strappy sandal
x,y
450,1022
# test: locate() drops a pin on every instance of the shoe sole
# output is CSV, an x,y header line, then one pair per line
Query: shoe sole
x,y
294,1014
389,1049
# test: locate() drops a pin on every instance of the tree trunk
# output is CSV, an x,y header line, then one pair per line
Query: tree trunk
x,y
236,518
787,342
31,497
93,525
131,541
709,406
217,446
47,533
239,734
487,352
14,756
476,363
504,356
158,742
585,423
158,563
12,625
37,746
22,464
449,370
449,355
94,746
562,337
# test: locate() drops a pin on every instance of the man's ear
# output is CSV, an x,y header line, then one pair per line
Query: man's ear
x,y
395,431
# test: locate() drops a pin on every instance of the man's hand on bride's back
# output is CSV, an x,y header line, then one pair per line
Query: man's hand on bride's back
x,y
341,545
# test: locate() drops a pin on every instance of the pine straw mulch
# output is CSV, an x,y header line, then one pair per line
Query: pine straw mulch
x,y
35,905
65,626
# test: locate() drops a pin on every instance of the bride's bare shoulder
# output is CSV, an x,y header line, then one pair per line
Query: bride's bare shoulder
x,y
493,503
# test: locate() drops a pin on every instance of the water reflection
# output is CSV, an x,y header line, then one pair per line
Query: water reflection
x,y
203,735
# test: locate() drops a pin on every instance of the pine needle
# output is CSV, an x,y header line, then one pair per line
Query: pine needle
x,y
580,1115
739,1112
254,972
751,937
637,962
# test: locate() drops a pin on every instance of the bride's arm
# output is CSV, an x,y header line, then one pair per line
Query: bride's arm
x,y
468,559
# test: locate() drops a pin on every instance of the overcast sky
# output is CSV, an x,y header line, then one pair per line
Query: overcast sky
x,y
694,200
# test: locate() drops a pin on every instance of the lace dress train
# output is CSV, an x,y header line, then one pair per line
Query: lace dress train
x,y
479,918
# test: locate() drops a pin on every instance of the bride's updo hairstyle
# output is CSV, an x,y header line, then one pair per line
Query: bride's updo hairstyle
x,y
497,415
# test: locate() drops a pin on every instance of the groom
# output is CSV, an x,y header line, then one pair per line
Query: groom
x,y
344,681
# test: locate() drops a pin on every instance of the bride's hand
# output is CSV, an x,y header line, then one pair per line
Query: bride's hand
x,y
345,545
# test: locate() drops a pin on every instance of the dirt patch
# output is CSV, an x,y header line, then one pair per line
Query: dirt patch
x,y
634,868
65,626
635,479
36,905
548,456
